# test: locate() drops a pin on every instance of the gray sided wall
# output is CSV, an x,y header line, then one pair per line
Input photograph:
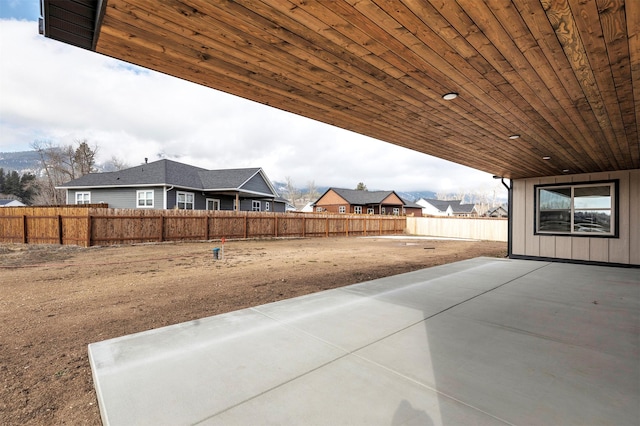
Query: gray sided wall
x,y
257,184
118,198
622,250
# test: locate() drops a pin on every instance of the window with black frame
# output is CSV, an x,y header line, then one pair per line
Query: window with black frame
x,y
576,209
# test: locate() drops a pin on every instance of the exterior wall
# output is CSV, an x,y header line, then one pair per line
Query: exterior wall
x,y
413,211
331,202
118,198
392,199
625,249
257,184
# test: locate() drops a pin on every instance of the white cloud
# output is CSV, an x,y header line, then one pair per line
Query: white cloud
x,y
52,91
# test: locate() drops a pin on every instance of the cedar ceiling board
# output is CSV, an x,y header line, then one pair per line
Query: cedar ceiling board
x,y
589,25
400,83
613,25
474,79
477,117
525,120
562,18
165,63
632,10
411,90
333,82
524,38
541,29
354,18
432,65
525,73
459,20
114,14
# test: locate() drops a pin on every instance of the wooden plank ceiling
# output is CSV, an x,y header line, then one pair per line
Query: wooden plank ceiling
x,y
564,75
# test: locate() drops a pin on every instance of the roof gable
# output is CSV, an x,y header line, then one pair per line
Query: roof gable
x,y
358,197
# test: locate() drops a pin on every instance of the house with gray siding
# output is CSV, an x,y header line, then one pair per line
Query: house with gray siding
x,y
167,184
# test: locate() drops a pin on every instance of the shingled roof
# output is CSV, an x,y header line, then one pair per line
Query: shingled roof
x,y
358,197
169,173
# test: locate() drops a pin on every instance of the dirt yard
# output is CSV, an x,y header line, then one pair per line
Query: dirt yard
x,y
55,300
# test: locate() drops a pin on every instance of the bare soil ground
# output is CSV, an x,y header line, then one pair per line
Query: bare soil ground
x,y
55,300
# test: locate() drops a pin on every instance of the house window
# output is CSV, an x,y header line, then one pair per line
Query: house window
x,y
396,211
83,198
370,210
255,206
382,210
319,209
577,209
267,207
185,200
213,204
342,209
144,199
357,209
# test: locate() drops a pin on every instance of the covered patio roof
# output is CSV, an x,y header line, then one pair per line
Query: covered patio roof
x,y
544,87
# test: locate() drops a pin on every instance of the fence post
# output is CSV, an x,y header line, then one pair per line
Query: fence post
x,y
246,220
88,231
60,229
304,226
365,226
206,227
24,229
380,225
275,231
161,227
346,225
326,227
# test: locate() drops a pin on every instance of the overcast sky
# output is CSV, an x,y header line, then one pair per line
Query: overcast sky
x,y
50,91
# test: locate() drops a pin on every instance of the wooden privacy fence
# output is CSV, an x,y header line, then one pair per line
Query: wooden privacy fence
x,y
97,225
488,229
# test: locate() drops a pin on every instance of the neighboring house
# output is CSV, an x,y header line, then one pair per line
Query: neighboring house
x,y
167,184
11,203
499,211
338,200
431,207
464,210
308,208
412,209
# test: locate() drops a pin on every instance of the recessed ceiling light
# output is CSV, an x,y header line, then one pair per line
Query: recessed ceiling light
x,y
546,157
514,136
565,170
449,96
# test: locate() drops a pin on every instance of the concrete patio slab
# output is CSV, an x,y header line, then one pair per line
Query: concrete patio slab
x,y
483,341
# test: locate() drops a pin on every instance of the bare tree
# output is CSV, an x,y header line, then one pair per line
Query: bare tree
x,y
60,164
312,191
292,192
118,164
